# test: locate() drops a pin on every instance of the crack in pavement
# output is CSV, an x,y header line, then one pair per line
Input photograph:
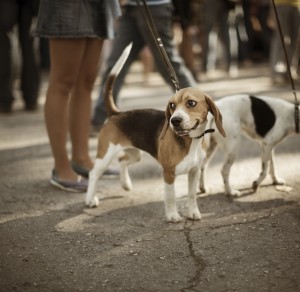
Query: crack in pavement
x,y
199,262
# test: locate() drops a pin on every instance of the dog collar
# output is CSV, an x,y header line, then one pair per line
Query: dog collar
x,y
205,132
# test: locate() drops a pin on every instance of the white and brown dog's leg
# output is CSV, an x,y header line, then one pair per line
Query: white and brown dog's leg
x,y
211,149
230,149
267,155
229,160
170,204
193,210
131,155
225,174
265,158
276,179
91,199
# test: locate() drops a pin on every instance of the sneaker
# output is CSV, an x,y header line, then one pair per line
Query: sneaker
x,y
31,107
78,186
5,108
83,171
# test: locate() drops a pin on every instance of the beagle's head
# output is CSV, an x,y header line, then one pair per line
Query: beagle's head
x,y
187,111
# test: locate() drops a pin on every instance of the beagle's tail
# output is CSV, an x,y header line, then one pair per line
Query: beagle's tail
x,y
110,106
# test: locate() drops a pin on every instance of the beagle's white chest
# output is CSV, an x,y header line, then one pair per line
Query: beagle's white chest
x,y
192,159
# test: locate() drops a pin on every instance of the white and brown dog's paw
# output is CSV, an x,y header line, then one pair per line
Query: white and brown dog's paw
x,y
92,203
173,217
279,181
194,214
234,193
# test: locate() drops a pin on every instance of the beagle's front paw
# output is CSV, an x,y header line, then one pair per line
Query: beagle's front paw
x,y
194,214
173,217
279,181
92,202
234,193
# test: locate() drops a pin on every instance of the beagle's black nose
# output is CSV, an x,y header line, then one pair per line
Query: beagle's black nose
x,y
176,121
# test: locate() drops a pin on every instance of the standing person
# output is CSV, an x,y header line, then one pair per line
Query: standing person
x,y
132,27
289,17
76,30
185,15
216,14
20,13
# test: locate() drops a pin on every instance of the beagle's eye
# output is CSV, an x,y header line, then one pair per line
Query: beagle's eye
x,y
172,105
191,103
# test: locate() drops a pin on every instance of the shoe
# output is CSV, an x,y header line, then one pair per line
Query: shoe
x,y
31,107
79,186
83,171
5,108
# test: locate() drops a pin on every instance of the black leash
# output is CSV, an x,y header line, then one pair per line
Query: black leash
x,y
149,20
288,69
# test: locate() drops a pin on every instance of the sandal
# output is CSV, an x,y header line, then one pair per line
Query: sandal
x,y
83,171
79,186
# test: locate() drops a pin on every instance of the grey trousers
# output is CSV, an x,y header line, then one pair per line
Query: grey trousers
x,y
131,27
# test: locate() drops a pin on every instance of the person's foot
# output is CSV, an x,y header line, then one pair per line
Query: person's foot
x,y
80,185
31,107
84,171
5,108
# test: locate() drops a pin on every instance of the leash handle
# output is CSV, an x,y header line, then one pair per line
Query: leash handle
x,y
149,20
288,68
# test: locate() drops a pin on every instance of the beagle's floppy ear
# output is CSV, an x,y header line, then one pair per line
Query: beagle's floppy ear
x,y
166,124
216,113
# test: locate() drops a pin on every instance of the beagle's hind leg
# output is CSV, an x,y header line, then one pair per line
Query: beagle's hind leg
x,y
101,164
130,156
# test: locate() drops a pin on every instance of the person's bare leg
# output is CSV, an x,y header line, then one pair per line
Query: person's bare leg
x,y
80,103
66,58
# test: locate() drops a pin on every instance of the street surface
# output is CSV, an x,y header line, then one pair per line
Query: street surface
x,y
50,242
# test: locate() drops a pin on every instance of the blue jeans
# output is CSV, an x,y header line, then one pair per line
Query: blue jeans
x,y
131,27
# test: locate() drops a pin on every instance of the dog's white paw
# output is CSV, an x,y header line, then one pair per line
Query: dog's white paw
x,y
194,214
173,217
234,193
126,182
279,181
91,203
127,185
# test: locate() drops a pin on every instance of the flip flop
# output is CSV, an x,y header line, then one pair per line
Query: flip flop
x,y
79,186
83,171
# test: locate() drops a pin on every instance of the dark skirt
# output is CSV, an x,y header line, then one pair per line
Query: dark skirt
x,y
74,18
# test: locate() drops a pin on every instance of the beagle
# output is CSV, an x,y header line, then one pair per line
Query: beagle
x,y
267,120
173,137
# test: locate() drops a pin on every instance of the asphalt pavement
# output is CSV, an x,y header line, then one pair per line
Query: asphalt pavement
x,y
49,241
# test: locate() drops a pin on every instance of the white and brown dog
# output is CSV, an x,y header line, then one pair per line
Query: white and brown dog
x,y
267,120
173,137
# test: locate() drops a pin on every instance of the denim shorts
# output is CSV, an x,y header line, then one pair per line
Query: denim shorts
x,y
72,19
